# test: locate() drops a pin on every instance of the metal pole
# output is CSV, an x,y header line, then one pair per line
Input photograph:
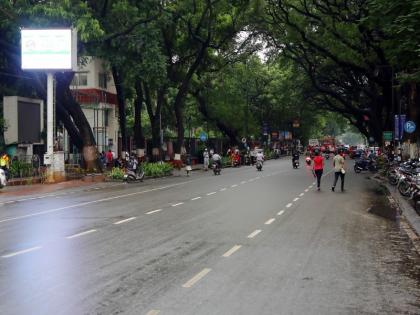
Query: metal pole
x,y
50,114
160,136
50,125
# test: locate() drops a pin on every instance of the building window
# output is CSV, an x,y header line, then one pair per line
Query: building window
x,y
102,80
80,79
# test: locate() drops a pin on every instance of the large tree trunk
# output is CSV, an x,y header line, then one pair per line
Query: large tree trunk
x,y
119,85
154,114
138,128
68,107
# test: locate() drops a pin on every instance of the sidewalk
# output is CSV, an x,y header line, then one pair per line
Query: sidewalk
x,y
27,190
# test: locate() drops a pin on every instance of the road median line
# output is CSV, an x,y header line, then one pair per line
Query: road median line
x,y
232,250
24,251
255,233
80,234
196,278
125,220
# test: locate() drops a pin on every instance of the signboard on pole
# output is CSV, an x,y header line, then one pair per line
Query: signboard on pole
x,y
313,142
387,135
49,49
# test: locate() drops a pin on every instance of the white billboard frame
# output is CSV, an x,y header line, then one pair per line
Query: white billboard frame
x,y
49,49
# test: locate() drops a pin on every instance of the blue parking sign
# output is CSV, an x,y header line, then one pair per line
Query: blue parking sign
x,y
409,126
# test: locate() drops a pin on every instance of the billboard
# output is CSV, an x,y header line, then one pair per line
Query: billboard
x,y
48,49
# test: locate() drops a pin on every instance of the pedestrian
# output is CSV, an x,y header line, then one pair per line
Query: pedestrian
x,y
109,159
206,158
318,167
339,169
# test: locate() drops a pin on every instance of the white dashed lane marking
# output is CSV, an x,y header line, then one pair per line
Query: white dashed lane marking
x,y
196,198
223,189
80,234
296,199
154,211
233,186
243,182
270,221
289,205
177,204
281,212
196,278
301,194
125,220
153,312
306,190
211,193
22,252
92,202
255,233
232,250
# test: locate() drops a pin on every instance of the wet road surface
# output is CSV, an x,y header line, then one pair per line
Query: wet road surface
x,y
245,242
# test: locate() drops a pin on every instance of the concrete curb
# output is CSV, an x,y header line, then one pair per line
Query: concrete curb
x,y
410,219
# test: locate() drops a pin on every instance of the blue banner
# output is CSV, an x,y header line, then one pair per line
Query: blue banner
x,y
396,128
402,123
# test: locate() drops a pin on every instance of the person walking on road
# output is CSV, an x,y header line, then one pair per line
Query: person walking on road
x,y
318,167
339,169
206,157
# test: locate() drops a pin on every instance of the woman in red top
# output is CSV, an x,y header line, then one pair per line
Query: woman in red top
x,y
318,167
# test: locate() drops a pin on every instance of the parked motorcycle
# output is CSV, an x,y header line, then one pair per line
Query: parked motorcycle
x,y
416,199
259,165
3,179
365,165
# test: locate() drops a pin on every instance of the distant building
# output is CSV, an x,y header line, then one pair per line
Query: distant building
x,y
94,89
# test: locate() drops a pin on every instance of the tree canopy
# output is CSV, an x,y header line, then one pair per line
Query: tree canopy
x,y
231,66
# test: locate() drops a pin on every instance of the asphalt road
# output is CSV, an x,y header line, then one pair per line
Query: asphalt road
x,y
245,242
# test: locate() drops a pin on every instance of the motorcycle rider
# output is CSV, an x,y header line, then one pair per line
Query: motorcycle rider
x,y
216,158
260,156
132,162
295,157
4,163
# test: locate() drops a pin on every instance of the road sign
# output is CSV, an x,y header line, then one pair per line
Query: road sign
x,y
387,135
203,136
410,126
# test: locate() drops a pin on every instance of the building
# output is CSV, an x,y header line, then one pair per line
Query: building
x,y
94,89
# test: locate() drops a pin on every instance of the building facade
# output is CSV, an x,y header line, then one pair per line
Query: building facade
x,y
94,89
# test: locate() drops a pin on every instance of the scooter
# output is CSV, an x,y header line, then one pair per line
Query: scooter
x,y
259,166
216,168
133,172
3,179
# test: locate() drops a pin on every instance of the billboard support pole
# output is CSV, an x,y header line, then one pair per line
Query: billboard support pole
x,y
50,126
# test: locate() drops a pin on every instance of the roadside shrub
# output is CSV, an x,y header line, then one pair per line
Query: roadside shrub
x,y
157,169
226,161
116,173
20,169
